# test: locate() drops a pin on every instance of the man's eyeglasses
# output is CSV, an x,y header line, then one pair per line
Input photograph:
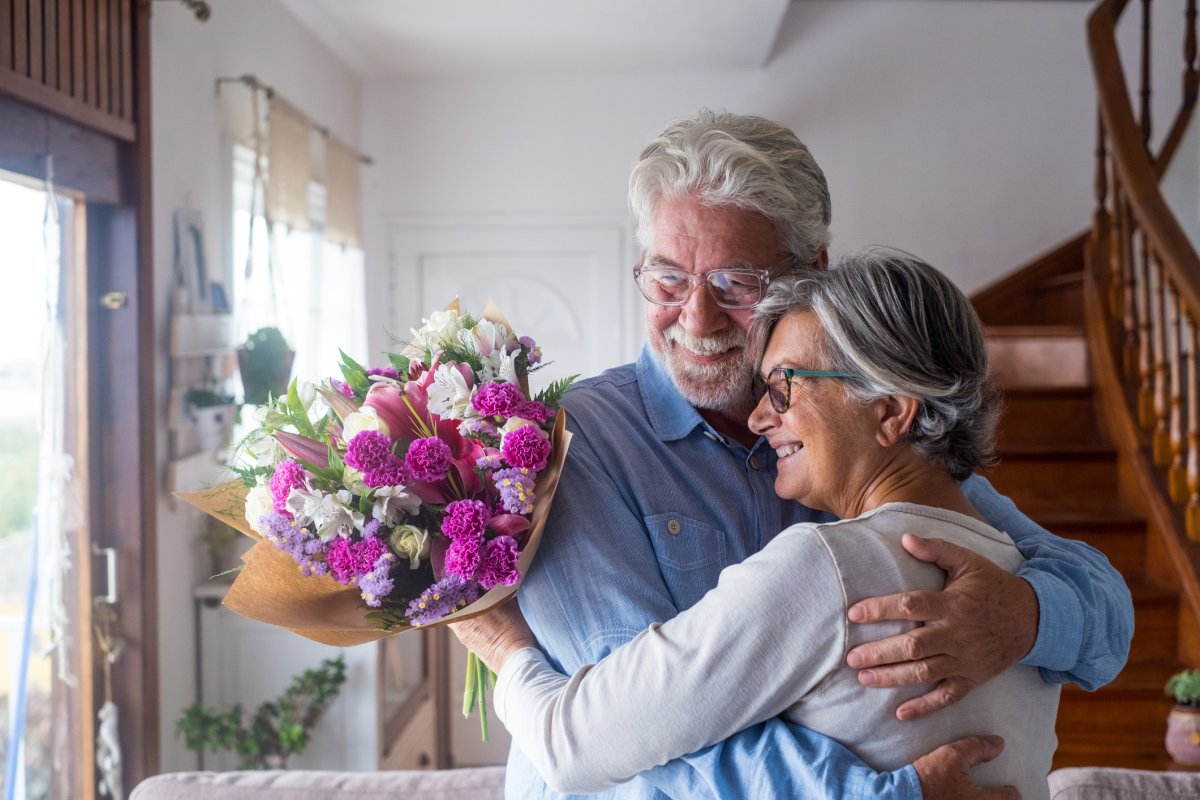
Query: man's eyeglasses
x,y
730,288
778,384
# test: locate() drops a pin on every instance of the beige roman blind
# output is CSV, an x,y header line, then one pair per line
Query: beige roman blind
x,y
289,166
342,166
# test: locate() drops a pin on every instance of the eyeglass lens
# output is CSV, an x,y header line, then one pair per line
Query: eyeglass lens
x,y
730,288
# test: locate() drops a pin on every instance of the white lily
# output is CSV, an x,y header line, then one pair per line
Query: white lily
x,y
449,394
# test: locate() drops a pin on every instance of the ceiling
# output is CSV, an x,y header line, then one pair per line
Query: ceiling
x,y
445,38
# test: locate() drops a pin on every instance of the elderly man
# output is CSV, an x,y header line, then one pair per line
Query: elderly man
x,y
666,485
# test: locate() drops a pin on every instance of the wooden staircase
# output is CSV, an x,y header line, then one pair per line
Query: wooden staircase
x,y
1059,464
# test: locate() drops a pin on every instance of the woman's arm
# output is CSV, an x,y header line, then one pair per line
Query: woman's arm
x,y
769,633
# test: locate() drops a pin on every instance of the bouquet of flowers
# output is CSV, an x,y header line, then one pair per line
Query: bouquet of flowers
x,y
397,497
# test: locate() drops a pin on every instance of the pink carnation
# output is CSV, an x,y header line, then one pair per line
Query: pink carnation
x,y
347,560
288,475
390,473
462,557
535,411
526,447
368,451
498,399
465,519
498,562
428,459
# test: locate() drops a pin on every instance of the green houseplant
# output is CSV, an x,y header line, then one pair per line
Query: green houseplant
x,y
1183,723
279,728
265,362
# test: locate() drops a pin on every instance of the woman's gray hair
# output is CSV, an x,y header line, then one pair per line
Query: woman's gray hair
x,y
897,326
739,161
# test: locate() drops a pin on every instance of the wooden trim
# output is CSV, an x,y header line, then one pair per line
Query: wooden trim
x,y
1125,432
103,82
42,96
20,40
83,158
63,32
125,27
50,42
1138,175
37,68
78,62
6,34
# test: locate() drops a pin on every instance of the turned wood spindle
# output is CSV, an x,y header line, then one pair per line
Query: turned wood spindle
x,y
1176,477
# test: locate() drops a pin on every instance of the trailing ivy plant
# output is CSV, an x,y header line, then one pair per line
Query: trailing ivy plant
x,y
278,730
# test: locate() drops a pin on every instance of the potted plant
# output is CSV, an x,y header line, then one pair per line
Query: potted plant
x,y
265,361
212,410
279,729
1183,723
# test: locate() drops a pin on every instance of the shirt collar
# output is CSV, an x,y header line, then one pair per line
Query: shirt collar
x,y
671,416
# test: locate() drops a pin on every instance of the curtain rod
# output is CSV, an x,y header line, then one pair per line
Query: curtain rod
x,y
256,85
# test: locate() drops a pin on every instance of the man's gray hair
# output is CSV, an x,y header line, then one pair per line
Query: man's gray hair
x,y
739,161
897,326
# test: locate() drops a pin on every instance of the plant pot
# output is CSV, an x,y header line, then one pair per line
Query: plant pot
x,y
1183,735
262,379
213,425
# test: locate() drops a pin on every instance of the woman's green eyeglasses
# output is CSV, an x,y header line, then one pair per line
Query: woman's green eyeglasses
x,y
778,384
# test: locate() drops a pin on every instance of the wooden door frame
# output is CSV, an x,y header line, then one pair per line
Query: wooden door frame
x,y
113,172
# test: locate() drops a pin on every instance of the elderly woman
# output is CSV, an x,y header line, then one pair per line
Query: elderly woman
x,y
877,403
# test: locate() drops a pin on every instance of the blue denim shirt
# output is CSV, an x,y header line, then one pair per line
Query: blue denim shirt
x,y
652,505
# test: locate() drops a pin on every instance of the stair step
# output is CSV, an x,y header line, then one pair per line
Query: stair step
x,y
1052,480
1121,536
1155,620
1050,415
1048,355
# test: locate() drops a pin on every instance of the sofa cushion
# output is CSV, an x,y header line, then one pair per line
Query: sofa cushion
x,y
1110,783
478,783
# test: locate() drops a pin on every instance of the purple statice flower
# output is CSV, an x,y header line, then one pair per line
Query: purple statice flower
x,y
497,399
535,411
387,372
526,447
516,489
448,595
377,584
296,541
489,460
348,560
462,557
343,387
288,475
535,352
371,529
428,459
465,519
390,473
368,451
498,562
477,428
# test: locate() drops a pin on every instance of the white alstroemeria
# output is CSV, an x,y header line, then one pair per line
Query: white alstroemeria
x,y
438,327
327,512
259,503
365,419
500,365
392,502
487,337
449,394
412,543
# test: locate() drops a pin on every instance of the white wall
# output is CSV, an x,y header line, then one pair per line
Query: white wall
x,y
262,39
961,131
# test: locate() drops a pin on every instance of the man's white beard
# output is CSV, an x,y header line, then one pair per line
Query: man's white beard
x,y
724,386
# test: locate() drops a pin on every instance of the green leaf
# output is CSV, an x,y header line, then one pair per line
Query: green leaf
x,y
471,685
399,363
297,413
552,394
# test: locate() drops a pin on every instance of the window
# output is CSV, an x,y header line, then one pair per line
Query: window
x,y
312,290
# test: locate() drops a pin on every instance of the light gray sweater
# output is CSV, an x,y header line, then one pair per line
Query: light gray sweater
x,y
771,639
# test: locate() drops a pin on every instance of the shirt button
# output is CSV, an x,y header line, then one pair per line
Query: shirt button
x,y
673,527
754,462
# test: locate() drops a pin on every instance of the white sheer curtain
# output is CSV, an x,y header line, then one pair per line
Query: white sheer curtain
x,y
313,290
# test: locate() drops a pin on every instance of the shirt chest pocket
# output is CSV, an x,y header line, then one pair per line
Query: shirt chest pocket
x,y
691,555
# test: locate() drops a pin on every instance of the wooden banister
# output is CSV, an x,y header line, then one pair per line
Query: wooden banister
x,y
1142,297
